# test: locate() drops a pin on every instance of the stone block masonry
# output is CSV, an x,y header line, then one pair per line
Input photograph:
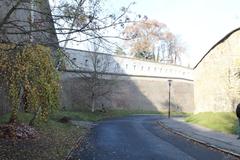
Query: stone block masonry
x,y
134,93
216,86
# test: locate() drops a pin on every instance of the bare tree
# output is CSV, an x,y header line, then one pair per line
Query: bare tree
x,y
24,22
28,21
77,21
99,81
33,21
173,47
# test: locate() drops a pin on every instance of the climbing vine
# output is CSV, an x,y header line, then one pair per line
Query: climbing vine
x,y
31,80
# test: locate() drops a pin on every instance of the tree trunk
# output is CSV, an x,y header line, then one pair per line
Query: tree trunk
x,y
93,104
13,118
32,121
22,98
15,109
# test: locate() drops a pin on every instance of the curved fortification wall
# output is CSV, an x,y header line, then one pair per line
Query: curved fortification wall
x,y
136,93
138,85
216,86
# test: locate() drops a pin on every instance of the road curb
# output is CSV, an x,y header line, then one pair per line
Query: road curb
x,y
196,140
79,141
69,155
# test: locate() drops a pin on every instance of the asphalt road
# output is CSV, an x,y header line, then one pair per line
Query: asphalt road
x,y
140,138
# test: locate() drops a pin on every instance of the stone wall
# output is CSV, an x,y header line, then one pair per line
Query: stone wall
x,y
20,25
35,18
123,65
136,93
216,87
141,84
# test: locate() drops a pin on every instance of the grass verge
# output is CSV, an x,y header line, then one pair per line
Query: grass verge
x,y
222,121
96,116
55,141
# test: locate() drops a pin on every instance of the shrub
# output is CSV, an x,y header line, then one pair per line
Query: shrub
x,y
31,79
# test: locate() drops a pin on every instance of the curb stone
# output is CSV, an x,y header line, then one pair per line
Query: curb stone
x,y
80,139
198,141
69,155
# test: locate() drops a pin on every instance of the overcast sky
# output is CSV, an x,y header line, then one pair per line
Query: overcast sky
x,y
200,23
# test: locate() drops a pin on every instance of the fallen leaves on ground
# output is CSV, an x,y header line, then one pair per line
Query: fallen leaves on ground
x,y
55,140
17,131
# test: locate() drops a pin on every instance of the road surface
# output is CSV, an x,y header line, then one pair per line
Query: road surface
x,y
141,138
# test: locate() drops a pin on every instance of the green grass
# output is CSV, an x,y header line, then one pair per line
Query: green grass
x,y
96,116
59,138
55,141
223,121
88,116
177,114
22,118
84,116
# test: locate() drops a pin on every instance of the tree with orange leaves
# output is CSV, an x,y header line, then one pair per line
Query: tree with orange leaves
x,y
143,35
146,37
